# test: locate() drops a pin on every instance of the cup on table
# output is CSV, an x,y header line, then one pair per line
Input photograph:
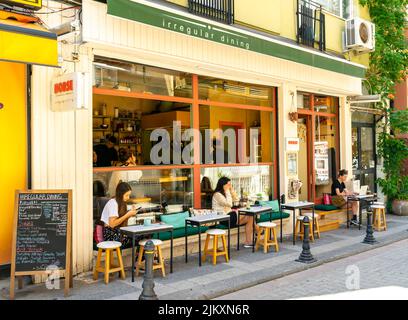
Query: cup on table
x,y
147,221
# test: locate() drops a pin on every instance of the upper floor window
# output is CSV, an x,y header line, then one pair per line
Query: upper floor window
x,y
221,10
341,8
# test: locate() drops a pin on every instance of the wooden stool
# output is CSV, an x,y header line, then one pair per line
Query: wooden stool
x,y
214,252
269,228
379,221
299,226
157,250
109,247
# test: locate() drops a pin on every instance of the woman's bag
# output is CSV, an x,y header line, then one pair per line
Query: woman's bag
x,y
327,199
338,201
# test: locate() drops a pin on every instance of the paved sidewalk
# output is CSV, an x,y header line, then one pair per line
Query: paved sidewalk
x,y
244,270
378,268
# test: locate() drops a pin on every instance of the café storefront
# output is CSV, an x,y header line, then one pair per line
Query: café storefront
x,y
148,68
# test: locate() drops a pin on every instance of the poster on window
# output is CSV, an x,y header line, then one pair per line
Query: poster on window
x,y
322,162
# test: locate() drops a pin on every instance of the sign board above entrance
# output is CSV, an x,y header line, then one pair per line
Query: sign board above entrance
x,y
28,4
231,36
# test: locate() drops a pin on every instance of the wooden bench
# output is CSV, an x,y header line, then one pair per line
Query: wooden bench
x,y
331,217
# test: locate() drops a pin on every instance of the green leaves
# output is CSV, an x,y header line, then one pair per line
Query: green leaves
x,y
388,66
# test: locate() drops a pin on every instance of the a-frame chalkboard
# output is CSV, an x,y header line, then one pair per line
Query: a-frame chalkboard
x,y
42,235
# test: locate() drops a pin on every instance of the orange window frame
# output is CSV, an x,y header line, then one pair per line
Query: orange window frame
x,y
195,103
311,120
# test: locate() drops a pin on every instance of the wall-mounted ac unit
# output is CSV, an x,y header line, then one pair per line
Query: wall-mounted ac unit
x,y
360,35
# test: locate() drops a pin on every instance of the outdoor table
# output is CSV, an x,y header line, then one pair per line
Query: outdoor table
x,y
204,219
253,211
369,198
139,230
299,205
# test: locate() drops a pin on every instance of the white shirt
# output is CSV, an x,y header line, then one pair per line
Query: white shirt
x,y
221,203
111,209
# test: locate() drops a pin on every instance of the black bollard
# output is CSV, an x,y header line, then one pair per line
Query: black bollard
x,y
369,238
306,256
148,282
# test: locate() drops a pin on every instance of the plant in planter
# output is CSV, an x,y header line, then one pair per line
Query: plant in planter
x,y
394,151
388,66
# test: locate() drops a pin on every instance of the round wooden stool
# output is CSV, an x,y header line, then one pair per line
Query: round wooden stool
x,y
299,226
215,252
109,247
379,221
157,251
269,229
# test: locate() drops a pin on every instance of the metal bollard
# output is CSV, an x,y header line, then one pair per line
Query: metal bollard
x,y
369,237
148,282
306,256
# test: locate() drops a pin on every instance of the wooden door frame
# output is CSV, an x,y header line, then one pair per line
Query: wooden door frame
x,y
310,115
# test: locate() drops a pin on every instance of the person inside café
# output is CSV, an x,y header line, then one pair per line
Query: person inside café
x,y
116,215
207,192
339,195
222,201
107,155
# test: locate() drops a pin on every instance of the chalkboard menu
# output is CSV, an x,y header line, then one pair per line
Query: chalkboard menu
x,y
41,231
42,238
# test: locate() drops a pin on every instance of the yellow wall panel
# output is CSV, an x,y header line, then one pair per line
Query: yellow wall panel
x,y
261,14
13,146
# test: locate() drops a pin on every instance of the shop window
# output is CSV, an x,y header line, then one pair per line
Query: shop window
x,y
238,133
325,104
303,101
150,188
325,154
132,77
235,92
251,182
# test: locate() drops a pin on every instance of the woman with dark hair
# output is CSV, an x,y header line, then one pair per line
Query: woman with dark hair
x,y
222,202
115,215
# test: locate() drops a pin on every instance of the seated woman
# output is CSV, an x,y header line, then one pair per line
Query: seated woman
x,y
340,193
222,202
115,215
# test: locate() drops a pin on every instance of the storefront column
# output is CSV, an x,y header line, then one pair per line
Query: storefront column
x,y
345,134
62,152
287,129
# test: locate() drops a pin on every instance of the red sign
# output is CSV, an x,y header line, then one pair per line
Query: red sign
x,y
64,87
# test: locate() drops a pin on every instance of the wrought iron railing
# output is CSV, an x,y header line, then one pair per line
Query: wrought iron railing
x,y
220,10
311,30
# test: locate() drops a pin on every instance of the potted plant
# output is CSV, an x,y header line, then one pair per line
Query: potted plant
x,y
393,148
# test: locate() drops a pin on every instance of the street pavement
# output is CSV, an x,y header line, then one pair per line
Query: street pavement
x,y
245,269
384,268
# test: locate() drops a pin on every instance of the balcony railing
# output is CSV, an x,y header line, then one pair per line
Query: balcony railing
x,y
220,10
311,30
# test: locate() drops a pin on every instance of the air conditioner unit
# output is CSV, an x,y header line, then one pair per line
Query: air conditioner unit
x,y
360,35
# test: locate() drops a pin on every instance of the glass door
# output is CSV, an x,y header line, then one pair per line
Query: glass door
x,y
364,157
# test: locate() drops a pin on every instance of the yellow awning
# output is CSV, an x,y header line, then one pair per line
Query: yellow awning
x,y
27,43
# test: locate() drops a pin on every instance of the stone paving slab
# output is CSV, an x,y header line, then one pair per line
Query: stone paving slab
x,y
381,267
244,270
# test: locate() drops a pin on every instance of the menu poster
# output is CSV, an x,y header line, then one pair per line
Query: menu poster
x,y
322,162
42,234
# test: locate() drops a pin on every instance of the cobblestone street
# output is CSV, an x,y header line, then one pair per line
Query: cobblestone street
x,y
385,266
